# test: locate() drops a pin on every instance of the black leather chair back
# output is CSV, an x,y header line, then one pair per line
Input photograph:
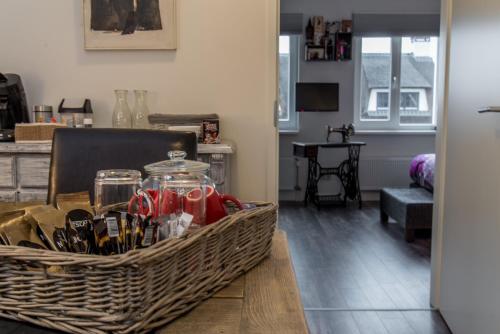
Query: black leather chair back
x,y
77,154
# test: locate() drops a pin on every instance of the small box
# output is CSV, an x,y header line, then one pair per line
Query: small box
x,y
211,132
36,132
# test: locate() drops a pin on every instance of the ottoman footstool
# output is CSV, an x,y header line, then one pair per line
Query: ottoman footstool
x,y
410,207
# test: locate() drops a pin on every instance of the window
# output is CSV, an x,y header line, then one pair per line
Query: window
x,y
288,77
409,100
395,83
383,101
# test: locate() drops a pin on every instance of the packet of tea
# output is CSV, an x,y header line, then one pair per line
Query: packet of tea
x,y
51,226
6,217
78,224
69,202
146,231
108,233
20,231
128,230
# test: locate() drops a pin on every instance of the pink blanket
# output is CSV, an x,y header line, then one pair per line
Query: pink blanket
x,y
422,170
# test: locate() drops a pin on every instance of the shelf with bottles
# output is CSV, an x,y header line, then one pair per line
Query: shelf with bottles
x,y
328,40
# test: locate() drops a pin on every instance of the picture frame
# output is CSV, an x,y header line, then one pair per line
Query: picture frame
x,y
315,53
130,24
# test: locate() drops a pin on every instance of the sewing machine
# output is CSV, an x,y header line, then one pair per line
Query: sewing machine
x,y
346,131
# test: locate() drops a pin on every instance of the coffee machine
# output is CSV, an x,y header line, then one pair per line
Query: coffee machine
x,y
13,105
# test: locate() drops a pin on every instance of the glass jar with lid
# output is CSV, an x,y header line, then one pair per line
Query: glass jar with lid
x,y
115,187
178,188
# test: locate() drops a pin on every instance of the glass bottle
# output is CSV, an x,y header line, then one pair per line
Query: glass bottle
x,y
141,111
122,117
309,32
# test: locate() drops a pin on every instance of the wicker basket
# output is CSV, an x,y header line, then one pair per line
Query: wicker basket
x,y
135,292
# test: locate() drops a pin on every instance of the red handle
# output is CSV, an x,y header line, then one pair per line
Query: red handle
x,y
139,197
229,198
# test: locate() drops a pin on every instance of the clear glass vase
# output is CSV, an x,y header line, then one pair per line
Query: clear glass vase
x,y
122,117
141,112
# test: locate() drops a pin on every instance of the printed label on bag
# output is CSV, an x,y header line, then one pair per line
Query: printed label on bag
x,y
112,225
186,219
148,236
184,223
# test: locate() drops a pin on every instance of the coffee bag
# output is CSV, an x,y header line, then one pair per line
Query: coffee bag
x,y
20,231
69,202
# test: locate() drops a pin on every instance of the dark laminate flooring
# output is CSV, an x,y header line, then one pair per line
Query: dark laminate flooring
x,y
357,275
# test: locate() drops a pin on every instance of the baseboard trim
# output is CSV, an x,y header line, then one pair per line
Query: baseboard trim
x,y
335,309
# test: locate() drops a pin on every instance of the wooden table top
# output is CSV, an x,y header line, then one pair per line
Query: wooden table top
x,y
265,300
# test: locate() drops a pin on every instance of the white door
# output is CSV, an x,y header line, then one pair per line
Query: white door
x,y
470,280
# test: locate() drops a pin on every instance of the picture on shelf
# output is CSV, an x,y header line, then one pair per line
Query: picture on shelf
x,y
346,26
328,40
315,53
130,24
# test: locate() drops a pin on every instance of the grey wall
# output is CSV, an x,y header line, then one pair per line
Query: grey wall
x,y
312,125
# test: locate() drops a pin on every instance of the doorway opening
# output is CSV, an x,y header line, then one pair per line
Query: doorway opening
x,y
361,265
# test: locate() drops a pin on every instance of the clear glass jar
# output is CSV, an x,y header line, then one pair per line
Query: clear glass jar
x,y
67,118
78,119
122,117
88,121
115,187
178,188
141,112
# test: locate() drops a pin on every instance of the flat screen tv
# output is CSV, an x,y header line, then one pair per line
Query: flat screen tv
x,y
312,97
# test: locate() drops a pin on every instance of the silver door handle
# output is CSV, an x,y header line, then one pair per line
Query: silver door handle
x,y
489,109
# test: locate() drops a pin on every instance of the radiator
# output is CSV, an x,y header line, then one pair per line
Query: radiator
x,y
374,173
377,173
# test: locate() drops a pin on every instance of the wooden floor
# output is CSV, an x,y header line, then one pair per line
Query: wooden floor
x,y
357,275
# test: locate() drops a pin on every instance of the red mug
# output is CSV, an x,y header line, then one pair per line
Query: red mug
x,y
215,205
194,205
155,196
169,202
141,197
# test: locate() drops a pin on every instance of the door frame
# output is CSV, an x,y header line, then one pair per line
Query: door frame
x,y
441,146
272,87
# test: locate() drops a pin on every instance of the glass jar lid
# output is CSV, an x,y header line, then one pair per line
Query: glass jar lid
x,y
118,176
176,164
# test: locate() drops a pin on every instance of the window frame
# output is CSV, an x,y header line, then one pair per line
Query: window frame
x,y
393,123
293,124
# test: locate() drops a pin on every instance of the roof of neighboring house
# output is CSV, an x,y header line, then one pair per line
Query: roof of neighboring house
x,y
418,72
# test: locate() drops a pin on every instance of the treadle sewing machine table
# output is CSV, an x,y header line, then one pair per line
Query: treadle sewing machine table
x,y
347,172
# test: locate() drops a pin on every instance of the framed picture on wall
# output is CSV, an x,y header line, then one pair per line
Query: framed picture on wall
x,y
130,24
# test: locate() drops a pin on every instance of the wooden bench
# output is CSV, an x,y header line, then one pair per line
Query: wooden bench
x,y
410,207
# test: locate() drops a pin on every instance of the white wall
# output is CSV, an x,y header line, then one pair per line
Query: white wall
x,y
225,64
313,124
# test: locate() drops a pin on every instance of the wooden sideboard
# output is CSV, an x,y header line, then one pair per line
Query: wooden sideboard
x,y
24,169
